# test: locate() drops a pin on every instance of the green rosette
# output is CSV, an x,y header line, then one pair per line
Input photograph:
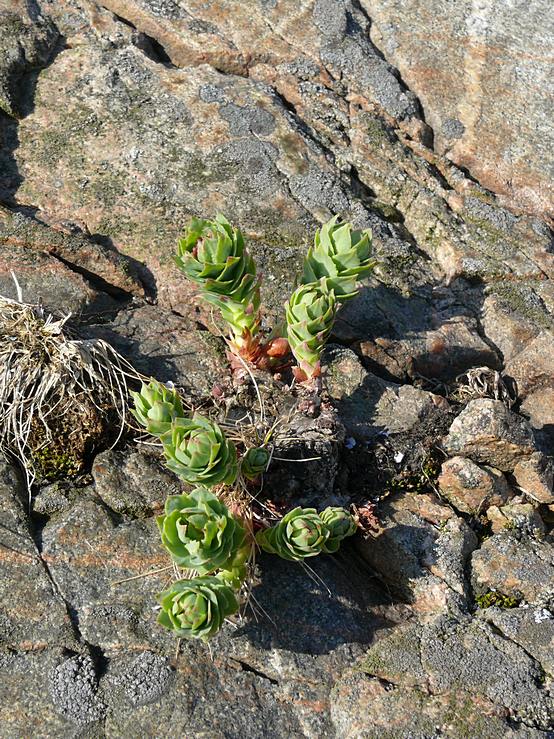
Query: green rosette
x,y
340,524
299,534
156,406
254,462
200,534
213,255
310,314
197,451
341,255
196,609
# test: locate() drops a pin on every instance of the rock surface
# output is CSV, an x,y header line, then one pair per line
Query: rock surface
x,y
122,118
476,91
470,488
487,432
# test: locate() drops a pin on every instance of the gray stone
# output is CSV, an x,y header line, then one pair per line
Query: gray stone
x,y
27,39
488,433
145,679
532,628
522,568
420,552
470,488
133,482
461,655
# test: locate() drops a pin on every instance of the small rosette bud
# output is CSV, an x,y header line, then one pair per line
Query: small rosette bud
x,y
254,462
200,534
198,452
196,609
156,406
340,524
310,314
341,256
299,534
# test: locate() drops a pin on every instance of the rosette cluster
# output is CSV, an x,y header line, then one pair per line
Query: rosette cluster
x,y
213,255
339,257
254,462
198,452
303,533
156,407
310,313
200,534
196,608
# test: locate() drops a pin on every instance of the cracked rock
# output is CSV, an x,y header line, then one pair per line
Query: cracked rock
x,y
420,552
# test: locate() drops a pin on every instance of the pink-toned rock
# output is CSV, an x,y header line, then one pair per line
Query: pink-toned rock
x,y
535,477
482,73
521,516
488,433
522,568
470,488
533,367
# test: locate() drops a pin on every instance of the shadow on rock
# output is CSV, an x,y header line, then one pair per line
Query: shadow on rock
x,y
434,332
317,607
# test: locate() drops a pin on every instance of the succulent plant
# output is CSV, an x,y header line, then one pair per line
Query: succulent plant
x,y
234,577
197,451
299,534
254,462
156,406
212,254
196,609
341,255
310,314
200,534
340,524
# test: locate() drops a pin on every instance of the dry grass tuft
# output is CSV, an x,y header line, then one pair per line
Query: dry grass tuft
x,y
61,397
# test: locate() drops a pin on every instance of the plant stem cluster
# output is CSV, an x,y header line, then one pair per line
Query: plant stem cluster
x,y
212,254
198,530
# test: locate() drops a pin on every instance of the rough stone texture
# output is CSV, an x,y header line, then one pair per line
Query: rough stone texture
x,y
520,567
318,441
27,40
487,432
522,517
415,681
373,409
420,553
135,114
168,346
132,482
482,75
32,613
531,628
535,477
470,488
144,679
74,690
